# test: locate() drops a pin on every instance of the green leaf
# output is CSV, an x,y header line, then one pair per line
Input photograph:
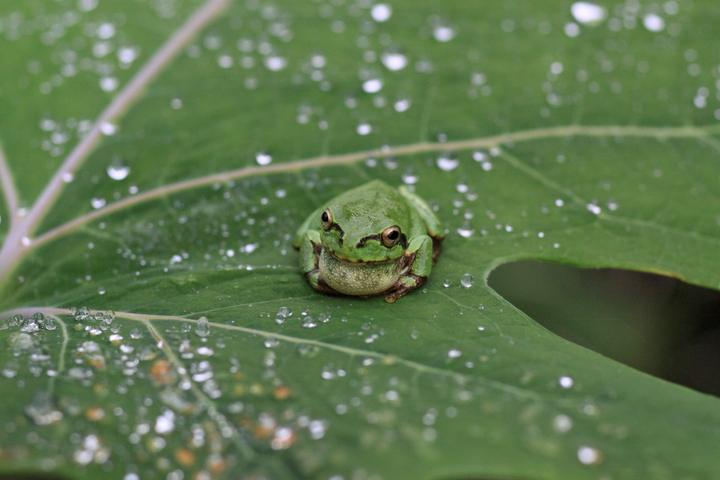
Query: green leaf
x,y
536,131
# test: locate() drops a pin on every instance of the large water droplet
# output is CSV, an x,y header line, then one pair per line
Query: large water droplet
x,y
467,280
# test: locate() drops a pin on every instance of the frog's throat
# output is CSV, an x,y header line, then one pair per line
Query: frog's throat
x,y
370,278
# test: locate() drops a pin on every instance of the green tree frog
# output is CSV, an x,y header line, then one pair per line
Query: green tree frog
x,y
372,240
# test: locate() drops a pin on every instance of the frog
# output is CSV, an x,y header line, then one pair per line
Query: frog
x,y
369,241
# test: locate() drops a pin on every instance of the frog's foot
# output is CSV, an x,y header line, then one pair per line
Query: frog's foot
x,y
404,285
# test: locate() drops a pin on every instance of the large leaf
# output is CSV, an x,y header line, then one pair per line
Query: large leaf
x,y
540,130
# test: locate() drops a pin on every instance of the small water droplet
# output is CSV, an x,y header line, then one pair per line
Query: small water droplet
x,y
50,323
275,63
454,353
447,161
372,85
446,283
97,203
401,104
41,409
589,455
394,60
364,129
594,208
566,382
271,341
108,128
588,13
381,12
465,230
118,169
263,158
409,177
309,322
562,423
443,32
83,314
202,328
467,280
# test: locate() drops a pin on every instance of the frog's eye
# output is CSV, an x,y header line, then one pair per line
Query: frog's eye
x,y
391,236
326,219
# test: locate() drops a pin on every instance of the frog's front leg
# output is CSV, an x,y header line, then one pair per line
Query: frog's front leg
x,y
419,261
310,250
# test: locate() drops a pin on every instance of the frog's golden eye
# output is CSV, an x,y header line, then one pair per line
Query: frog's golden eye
x,y
326,219
391,236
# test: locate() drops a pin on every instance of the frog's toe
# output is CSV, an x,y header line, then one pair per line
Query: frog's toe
x,y
404,285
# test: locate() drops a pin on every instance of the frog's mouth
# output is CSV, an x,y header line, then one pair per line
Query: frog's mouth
x,y
358,262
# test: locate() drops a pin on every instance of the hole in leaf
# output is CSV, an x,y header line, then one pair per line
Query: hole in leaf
x,y
656,324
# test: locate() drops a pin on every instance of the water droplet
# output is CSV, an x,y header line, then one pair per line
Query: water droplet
x,y
381,12
594,208
588,455
394,60
372,85
97,203
653,22
465,230
562,423
109,84
21,343
478,79
446,283
588,13
443,33
409,177
454,353
271,341
50,323
401,104
309,322
447,161
566,382
202,328
118,170
467,280
263,158
41,409
83,314
108,128
275,63
364,129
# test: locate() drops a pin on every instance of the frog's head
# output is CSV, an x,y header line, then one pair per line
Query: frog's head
x,y
360,232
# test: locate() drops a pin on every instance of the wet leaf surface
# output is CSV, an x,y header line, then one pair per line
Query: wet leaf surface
x,y
562,132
